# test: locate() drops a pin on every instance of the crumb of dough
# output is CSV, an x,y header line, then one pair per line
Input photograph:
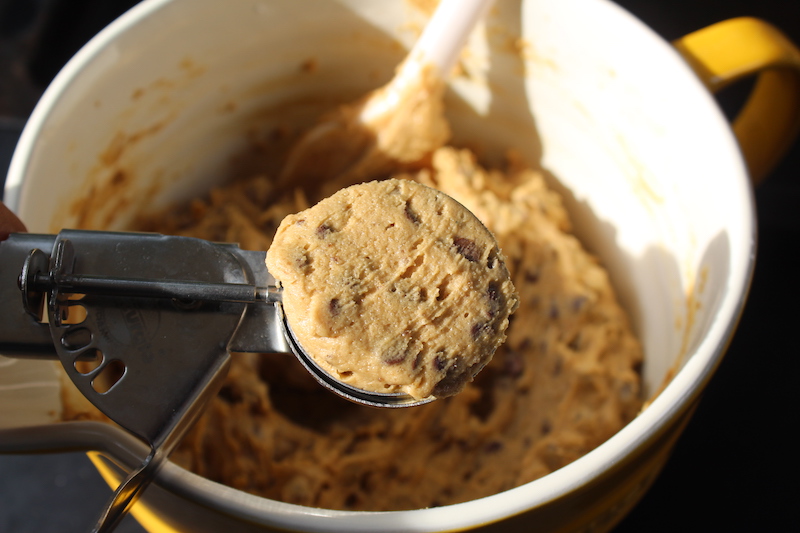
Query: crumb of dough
x,y
566,379
392,286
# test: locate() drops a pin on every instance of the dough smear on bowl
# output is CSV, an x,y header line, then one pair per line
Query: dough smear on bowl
x,y
392,286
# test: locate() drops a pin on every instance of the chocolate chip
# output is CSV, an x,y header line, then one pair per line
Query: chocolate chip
x,y
531,276
440,362
575,343
494,446
410,214
479,328
626,391
323,230
351,500
230,394
491,260
333,307
467,248
496,299
513,364
393,358
578,303
493,291
452,381
558,367
302,260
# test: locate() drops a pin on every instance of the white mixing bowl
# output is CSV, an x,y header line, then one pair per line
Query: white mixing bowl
x,y
152,109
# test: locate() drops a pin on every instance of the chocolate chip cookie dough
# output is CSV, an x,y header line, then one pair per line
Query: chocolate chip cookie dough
x,y
392,286
566,379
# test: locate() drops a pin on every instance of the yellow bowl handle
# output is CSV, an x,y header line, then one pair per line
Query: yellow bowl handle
x,y
730,50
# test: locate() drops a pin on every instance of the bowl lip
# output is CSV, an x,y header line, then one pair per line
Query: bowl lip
x,y
672,402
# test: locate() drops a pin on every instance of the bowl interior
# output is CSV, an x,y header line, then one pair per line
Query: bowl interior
x,y
172,98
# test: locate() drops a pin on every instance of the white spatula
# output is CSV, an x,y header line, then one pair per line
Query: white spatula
x,y
399,123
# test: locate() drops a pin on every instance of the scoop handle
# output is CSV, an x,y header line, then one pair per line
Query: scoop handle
x,y
728,51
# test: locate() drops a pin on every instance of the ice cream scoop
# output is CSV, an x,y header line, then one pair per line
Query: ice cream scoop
x,y
144,326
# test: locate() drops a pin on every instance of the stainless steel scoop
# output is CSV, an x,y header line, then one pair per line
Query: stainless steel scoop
x,y
144,326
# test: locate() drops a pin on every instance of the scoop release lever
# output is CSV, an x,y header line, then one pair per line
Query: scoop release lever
x,y
143,325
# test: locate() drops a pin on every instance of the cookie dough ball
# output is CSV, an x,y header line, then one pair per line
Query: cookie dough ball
x,y
392,286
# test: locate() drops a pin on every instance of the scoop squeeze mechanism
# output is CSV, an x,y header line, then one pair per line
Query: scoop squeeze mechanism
x,y
147,351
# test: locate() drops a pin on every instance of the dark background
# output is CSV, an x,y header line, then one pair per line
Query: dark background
x,y
734,469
